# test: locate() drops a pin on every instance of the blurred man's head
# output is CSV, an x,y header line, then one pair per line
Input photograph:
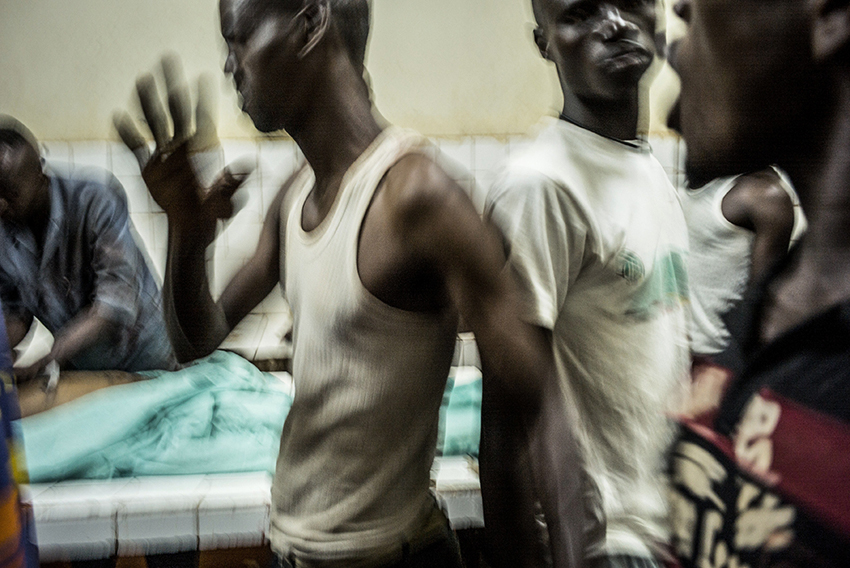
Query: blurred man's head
x,y
22,182
279,50
757,80
601,48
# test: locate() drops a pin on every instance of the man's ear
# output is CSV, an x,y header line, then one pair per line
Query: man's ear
x,y
831,29
541,43
317,17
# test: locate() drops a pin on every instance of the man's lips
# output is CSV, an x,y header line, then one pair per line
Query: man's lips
x,y
628,60
627,53
630,47
242,96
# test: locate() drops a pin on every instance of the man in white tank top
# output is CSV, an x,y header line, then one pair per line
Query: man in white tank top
x,y
379,251
597,239
738,227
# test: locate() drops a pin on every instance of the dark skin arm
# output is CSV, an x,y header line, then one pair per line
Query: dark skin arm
x,y
524,417
199,321
84,330
550,457
759,203
197,324
17,327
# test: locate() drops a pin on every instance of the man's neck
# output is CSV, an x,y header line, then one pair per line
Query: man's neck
x,y
338,128
335,132
611,118
819,276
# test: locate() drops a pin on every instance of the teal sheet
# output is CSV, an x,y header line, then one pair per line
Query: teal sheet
x,y
219,415
460,415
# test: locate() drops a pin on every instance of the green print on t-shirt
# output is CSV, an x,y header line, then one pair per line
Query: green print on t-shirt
x,y
664,288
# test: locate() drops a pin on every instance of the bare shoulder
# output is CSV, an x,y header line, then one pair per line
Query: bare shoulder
x,y
435,218
417,186
761,185
757,199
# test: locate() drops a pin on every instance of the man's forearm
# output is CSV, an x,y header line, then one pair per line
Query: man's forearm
x,y
84,330
196,324
558,472
508,494
529,457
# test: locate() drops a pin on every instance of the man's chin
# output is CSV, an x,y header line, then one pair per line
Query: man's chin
x,y
261,122
698,177
264,127
701,171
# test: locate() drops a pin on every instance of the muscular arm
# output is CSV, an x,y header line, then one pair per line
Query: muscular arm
x,y
759,203
522,409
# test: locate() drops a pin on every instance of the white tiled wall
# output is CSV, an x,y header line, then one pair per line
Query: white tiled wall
x,y
472,161
78,520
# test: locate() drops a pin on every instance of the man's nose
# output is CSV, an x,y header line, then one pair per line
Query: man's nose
x,y
230,62
613,24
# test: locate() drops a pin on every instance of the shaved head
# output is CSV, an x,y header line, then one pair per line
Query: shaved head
x,y
543,10
14,133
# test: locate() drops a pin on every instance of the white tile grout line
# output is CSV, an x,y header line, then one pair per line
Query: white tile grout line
x,y
464,482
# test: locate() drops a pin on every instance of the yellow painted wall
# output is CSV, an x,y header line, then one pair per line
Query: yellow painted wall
x,y
445,67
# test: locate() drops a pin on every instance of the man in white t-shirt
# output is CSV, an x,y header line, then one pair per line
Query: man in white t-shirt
x,y
596,237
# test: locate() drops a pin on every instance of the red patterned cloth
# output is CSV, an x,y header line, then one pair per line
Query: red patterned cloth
x,y
775,493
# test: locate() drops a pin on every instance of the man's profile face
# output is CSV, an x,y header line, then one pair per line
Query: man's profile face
x,y
601,48
21,182
745,67
261,58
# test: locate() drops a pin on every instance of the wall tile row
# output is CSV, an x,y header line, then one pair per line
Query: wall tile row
x,y
473,161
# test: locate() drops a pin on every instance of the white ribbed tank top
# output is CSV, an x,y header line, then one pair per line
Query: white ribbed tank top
x,y
352,476
720,258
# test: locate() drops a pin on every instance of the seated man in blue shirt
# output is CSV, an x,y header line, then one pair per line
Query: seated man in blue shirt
x,y
69,259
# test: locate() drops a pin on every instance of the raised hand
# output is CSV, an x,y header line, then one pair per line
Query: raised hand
x,y
180,173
